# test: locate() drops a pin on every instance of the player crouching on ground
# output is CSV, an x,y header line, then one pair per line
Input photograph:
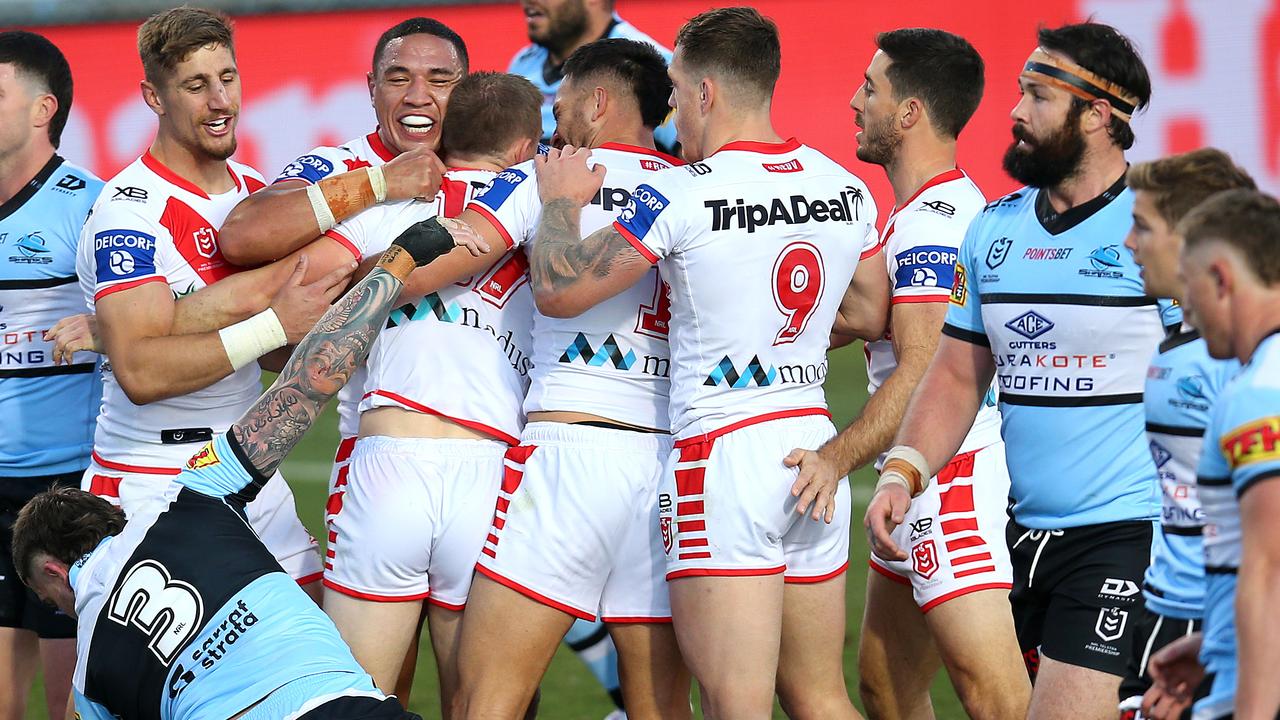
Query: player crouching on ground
x,y
174,625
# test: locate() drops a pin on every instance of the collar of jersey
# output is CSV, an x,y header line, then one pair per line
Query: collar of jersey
x,y
21,197
786,146
173,178
636,149
942,177
77,567
379,147
1056,223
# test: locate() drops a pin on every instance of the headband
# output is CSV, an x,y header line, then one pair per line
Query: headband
x,y
1082,83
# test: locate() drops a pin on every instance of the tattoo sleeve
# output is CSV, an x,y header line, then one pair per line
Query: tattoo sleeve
x,y
561,256
318,368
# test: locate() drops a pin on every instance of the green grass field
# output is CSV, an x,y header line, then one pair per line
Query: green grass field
x,y
569,692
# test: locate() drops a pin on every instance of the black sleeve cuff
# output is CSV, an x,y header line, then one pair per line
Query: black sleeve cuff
x,y
968,336
256,479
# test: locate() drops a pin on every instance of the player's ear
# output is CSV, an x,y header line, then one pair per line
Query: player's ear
x,y
910,112
369,79
45,107
151,96
706,95
601,97
522,150
1098,116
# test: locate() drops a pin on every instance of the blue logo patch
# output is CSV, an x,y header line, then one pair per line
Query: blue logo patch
x,y
1106,257
1030,325
124,254
926,266
1191,387
724,373
311,168
500,188
639,214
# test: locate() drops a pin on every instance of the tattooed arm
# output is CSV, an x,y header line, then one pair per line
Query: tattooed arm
x,y
331,352
570,273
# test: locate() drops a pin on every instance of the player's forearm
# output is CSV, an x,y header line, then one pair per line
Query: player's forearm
x,y
941,410
276,221
159,368
562,262
230,300
321,364
873,430
1258,635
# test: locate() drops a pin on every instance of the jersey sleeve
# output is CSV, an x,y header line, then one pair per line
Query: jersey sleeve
x,y
318,164
125,249
87,709
921,255
1170,313
221,469
649,222
354,233
964,315
511,204
1250,438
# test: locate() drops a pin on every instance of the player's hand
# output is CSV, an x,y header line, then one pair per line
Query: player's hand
x,y
1176,672
563,175
73,334
815,484
300,306
415,173
465,236
885,513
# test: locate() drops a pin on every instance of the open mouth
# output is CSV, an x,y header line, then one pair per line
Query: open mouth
x,y
220,125
417,124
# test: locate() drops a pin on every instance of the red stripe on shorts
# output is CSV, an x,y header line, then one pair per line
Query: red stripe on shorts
x,y
957,499
960,466
105,486
950,527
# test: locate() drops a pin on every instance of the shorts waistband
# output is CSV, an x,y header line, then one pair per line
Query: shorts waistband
x,y
1106,527
431,448
557,433
799,418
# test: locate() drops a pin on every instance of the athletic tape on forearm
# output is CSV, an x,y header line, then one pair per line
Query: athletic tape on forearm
x,y
320,206
378,182
248,340
907,466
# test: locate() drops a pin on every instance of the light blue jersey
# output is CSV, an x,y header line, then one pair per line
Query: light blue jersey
x,y
185,614
1242,447
534,63
1059,301
1182,382
48,410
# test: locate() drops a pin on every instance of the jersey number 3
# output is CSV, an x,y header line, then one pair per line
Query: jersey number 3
x,y
167,610
798,278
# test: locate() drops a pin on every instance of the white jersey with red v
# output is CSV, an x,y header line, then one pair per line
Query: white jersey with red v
x,y
151,225
758,243
921,239
612,360
461,352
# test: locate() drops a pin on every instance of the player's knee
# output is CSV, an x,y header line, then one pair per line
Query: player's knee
x,y
990,696
816,705
739,701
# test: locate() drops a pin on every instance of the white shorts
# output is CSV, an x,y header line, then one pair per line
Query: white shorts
x,y
576,525
954,532
412,519
272,515
728,498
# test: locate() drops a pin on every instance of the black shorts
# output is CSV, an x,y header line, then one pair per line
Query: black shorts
x,y
361,708
1077,593
19,607
1152,633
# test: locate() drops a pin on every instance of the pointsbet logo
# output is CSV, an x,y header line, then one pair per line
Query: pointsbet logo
x,y
1252,442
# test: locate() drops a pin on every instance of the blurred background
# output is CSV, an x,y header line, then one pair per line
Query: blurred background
x,y
1215,67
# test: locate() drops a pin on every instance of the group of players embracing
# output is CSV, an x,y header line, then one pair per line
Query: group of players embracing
x,y
587,382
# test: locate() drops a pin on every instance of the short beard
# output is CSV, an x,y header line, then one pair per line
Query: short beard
x,y
1051,162
563,29
879,144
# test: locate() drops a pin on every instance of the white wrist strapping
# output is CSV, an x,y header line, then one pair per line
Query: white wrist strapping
x,y
320,206
248,340
378,182
906,466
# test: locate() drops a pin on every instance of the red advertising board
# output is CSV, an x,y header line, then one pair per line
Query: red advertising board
x,y
1215,68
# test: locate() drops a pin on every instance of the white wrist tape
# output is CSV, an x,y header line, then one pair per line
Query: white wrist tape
x,y
320,206
906,465
378,182
248,340
892,477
